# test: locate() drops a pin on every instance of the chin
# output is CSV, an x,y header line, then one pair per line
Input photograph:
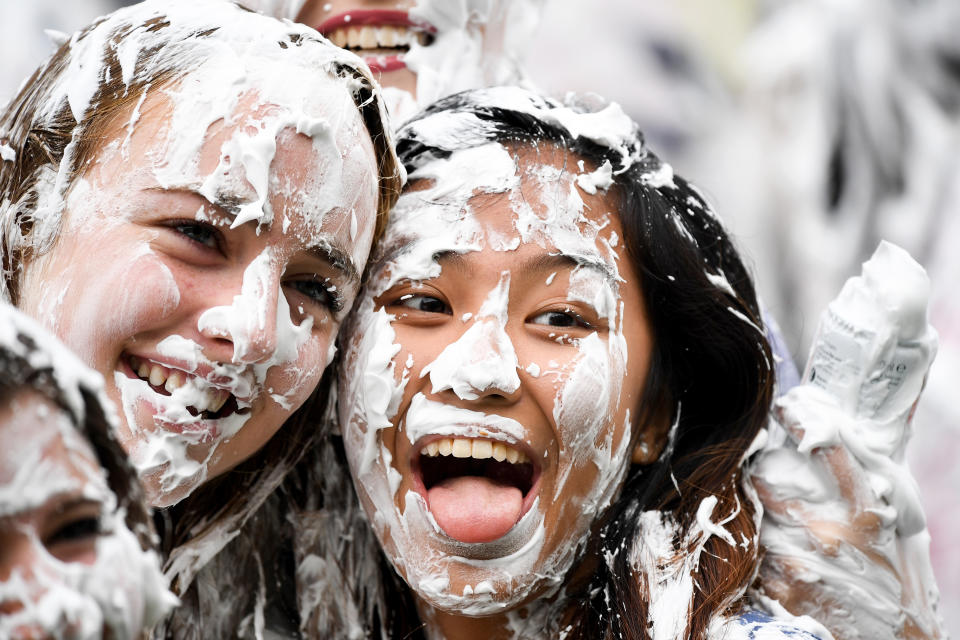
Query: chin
x,y
479,579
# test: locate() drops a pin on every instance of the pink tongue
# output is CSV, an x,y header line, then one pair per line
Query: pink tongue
x,y
475,509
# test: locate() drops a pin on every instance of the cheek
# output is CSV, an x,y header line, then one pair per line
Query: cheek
x,y
593,434
369,389
588,394
92,305
290,383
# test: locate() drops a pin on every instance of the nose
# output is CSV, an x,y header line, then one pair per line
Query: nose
x,y
17,559
481,364
246,329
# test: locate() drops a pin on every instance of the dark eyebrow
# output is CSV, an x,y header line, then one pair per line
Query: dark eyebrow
x,y
552,261
229,203
338,258
56,504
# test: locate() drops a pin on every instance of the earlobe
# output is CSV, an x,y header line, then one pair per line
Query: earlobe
x,y
652,440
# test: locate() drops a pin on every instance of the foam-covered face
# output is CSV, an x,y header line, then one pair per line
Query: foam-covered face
x,y
492,372
206,257
422,50
69,567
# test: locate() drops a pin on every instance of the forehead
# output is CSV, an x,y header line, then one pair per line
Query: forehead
x,y
255,147
524,194
34,430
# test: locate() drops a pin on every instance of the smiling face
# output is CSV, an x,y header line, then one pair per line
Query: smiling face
x,y
492,376
205,261
69,567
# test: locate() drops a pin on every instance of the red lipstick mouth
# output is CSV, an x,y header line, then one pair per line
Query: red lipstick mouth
x,y
381,37
374,17
476,489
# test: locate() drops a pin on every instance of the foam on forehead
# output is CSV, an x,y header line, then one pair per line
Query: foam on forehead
x,y
184,33
207,57
473,118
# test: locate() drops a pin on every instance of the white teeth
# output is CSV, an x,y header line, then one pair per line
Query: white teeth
x,y
339,38
368,38
461,448
387,37
445,447
158,375
376,37
174,381
353,37
482,449
219,399
477,449
207,398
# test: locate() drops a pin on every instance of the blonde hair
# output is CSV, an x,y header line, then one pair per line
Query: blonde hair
x,y
49,134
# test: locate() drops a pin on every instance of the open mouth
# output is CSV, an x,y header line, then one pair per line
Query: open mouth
x,y
211,403
476,489
381,36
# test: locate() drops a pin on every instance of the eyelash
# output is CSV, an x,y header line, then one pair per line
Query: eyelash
x,y
76,530
321,294
576,318
212,239
413,296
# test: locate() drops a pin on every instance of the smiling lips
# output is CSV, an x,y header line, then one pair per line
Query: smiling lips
x,y
476,489
381,37
212,403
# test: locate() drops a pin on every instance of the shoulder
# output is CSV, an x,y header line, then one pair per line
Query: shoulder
x,y
755,625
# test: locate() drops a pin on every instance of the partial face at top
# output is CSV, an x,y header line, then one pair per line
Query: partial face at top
x,y
422,50
69,567
206,258
493,374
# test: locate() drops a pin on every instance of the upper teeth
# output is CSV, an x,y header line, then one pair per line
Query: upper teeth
x,y
376,37
471,448
207,398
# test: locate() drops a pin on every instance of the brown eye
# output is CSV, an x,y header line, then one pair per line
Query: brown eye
x,y
198,232
79,529
322,292
562,319
427,304
72,534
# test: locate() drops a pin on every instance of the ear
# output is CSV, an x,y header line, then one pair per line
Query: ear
x,y
653,439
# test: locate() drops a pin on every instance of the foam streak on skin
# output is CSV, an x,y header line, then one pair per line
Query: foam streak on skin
x,y
426,417
483,358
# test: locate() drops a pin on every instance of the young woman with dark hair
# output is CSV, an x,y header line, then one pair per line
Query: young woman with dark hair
x,y
551,382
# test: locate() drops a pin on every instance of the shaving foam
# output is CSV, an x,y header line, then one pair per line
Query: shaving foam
x,y
873,346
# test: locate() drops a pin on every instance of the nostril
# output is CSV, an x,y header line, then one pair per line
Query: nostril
x,y
10,606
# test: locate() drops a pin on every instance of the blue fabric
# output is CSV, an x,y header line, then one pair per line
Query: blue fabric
x,y
759,626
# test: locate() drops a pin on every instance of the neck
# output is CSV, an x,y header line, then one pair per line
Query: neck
x,y
532,621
